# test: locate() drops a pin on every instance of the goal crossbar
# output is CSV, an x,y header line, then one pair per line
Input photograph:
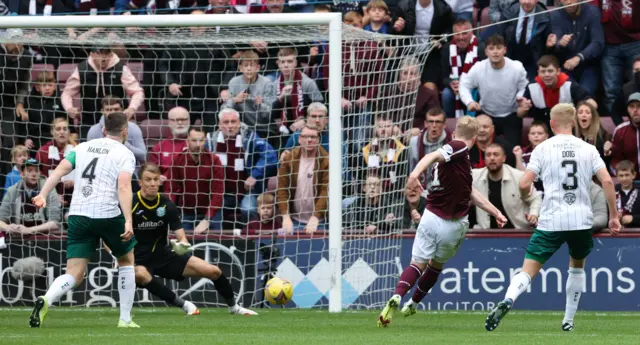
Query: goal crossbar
x,y
334,22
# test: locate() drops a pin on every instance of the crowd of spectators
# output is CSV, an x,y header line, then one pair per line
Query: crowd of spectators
x,y
243,134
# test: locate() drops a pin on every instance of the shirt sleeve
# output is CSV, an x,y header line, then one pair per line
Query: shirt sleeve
x,y
127,162
535,163
453,150
71,157
175,220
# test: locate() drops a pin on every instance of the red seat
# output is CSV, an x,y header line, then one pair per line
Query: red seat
x,y
451,125
526,123
607,124
64,72
37,68
485,19
153,131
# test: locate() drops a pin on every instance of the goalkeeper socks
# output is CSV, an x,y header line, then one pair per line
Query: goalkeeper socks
x,y
127,290
225,290
519,284
426,282
407,279
163,292
575,282
59,287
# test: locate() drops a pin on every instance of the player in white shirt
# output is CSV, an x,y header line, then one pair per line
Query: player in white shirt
x,y
566,166
100,209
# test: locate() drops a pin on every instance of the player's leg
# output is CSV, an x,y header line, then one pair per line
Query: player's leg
x,y
109,230
580,244
424,247
197,267
542,245
145,280
81,244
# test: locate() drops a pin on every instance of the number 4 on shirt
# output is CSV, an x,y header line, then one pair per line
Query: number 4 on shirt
x,y
90,171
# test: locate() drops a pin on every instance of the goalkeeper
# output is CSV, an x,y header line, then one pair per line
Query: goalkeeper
x,y
153,215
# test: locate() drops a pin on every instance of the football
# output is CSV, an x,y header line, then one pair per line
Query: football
x,y
278,291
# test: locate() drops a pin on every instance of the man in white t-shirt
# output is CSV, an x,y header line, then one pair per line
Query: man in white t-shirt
x,y
566,166
100,209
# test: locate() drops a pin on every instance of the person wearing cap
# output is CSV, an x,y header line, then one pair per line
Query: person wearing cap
x,y
626,137
102,74
18,214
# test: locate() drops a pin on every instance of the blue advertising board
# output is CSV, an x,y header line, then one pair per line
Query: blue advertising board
x,y
473,280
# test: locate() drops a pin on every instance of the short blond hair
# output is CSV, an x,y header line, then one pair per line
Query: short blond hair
x,y
249,56
266,199
563,114
466,127
18,149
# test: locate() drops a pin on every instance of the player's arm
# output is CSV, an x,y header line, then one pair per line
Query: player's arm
x,y
125,197
423,164
526,184
481,201
64,168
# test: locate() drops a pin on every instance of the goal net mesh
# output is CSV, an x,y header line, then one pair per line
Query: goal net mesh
x,y
79,75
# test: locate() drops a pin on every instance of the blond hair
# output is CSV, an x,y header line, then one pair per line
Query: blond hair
x,y
45,77
466,127
352,16
248,55
266,199
378,4
563,114
590,134
18,149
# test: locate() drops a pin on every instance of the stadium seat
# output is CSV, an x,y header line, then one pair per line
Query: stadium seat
x,y
153,131
64,72
526,123
37,68
451,125
474,19
484,18
137,69
607,124
141,114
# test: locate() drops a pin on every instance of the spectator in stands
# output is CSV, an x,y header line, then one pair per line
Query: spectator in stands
x,y
196,183
588,126
53,152
15,73
267,220
550,88
43,106
195,77
413,208
633,86
134,142
378,13
294,90
599,207
578,40
101,75
627,194
485,137
526,37
18,215
385,156
500,184
497,100
462,54
252,95
248,162
303,185
373,212
624,145
162,154
316,117
45,7
400,96
496,7
219,7
621,24
538,132
432,137
19,154
423,19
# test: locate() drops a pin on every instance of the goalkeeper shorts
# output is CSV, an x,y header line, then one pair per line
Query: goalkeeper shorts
x,y
165,264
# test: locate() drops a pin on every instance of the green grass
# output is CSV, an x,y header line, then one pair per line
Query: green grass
x,y
67,326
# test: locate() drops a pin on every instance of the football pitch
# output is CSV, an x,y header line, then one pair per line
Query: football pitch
x,y
86,326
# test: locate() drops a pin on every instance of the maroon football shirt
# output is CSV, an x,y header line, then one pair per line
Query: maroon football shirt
x,y
450,193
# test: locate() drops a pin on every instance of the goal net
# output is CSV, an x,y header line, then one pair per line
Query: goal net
x,y
305,150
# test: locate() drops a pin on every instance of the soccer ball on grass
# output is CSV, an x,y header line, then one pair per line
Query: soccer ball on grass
x,y
278,291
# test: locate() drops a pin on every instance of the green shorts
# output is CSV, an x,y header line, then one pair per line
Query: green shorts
x,y
543,244
84,235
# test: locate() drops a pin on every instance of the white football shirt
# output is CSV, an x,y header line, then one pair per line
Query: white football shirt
x,y
566,166
97,165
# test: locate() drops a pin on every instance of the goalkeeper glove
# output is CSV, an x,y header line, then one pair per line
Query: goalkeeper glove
x,y
180,248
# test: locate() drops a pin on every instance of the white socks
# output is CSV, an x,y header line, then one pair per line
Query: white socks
x,y
59,287
575,282
519,284
127,290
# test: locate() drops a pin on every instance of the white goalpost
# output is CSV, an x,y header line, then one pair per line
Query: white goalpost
x,y
390,65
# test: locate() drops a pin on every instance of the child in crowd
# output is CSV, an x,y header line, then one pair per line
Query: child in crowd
x,y
378,12
373,212
19,154
43,105
266,216
627,199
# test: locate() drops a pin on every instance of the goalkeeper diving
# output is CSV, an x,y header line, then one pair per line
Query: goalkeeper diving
x,y
153,215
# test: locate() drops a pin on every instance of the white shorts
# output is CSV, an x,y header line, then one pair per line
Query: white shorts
x,y
438,239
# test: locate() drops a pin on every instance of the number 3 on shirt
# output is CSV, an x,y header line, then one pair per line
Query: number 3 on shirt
x,y
90,171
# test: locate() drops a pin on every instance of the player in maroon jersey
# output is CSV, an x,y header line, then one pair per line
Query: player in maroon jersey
x,y
445,221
